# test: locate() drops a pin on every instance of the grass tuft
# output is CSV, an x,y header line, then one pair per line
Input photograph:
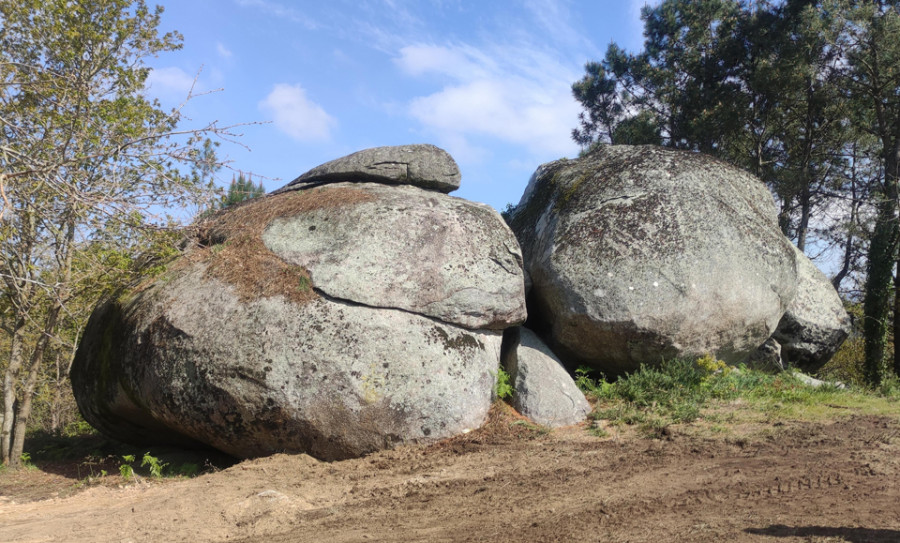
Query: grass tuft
x,y
683,391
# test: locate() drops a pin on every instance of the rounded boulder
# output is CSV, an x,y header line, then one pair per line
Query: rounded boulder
x,y
639,254
335,344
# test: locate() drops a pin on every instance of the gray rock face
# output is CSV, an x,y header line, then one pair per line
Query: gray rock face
x,y
767,357
422,165
410,249
187,362
641,253
815,324
544,390
332,321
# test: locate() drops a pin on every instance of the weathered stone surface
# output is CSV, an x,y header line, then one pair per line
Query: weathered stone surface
x,y
815,324
641,253
544,390
186,361
410,249
767,357
334,321
816,383
421,165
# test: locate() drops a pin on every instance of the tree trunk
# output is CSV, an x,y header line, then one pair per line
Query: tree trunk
x,y
23,413
784,217
56,406
896,320
882,256
9,394
805,210
19,290
854,218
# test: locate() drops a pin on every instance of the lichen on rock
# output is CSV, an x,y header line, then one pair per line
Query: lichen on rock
x,y
642,253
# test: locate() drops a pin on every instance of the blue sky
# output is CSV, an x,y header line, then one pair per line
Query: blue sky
x,y
489,81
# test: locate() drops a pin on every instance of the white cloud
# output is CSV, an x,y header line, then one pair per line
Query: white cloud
x,y
296,115
635,41
170,82
461,62
281,11
514,95
223,51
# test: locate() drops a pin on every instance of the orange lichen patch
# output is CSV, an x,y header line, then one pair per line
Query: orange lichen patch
x,y
231,242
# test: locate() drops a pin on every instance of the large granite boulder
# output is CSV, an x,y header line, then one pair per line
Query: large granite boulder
x,y
815,324
637,254
333,321
421,165
410,249
543,389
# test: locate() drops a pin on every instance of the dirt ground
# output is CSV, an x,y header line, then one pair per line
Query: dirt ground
x,y
793,482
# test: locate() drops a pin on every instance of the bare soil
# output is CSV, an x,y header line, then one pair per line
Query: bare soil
x,y
792,482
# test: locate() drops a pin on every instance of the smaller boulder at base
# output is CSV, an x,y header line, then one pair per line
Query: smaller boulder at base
x,y
767,357
544,390
815,324
422,165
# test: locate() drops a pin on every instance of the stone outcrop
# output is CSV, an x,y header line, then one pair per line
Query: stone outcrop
x,y
767,357
410,249
423,165
637,254
815,324
189,362
544,390
333,320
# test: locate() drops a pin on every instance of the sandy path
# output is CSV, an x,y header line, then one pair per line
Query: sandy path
x,y
807,482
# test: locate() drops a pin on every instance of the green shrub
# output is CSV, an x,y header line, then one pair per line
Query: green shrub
x,y
78,427
503,389
677,391
126,470
846,365
187,470
590,386
155,465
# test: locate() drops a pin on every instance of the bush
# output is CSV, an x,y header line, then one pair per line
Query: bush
x,y
678,390
846,365
503,389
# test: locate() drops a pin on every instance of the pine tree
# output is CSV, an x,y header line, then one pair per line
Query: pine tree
x,y
241,189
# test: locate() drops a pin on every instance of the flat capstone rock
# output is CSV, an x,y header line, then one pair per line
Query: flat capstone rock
x,y
421,165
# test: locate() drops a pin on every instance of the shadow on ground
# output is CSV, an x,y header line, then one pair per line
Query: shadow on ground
x,y
77,457
851,535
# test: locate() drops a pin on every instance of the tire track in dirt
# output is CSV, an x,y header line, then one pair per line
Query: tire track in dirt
x,y
802,482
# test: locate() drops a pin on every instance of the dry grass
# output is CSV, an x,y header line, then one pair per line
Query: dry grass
x,y
231,243
503,424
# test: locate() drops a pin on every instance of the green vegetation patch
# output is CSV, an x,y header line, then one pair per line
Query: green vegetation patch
x,y
684,391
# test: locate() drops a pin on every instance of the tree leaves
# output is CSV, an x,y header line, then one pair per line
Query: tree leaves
x,y
93,171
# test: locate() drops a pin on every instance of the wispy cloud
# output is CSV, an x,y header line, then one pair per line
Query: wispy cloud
x,y
170,83
281,11
517,96
554,18
223,51
296,115
459,61
635,41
